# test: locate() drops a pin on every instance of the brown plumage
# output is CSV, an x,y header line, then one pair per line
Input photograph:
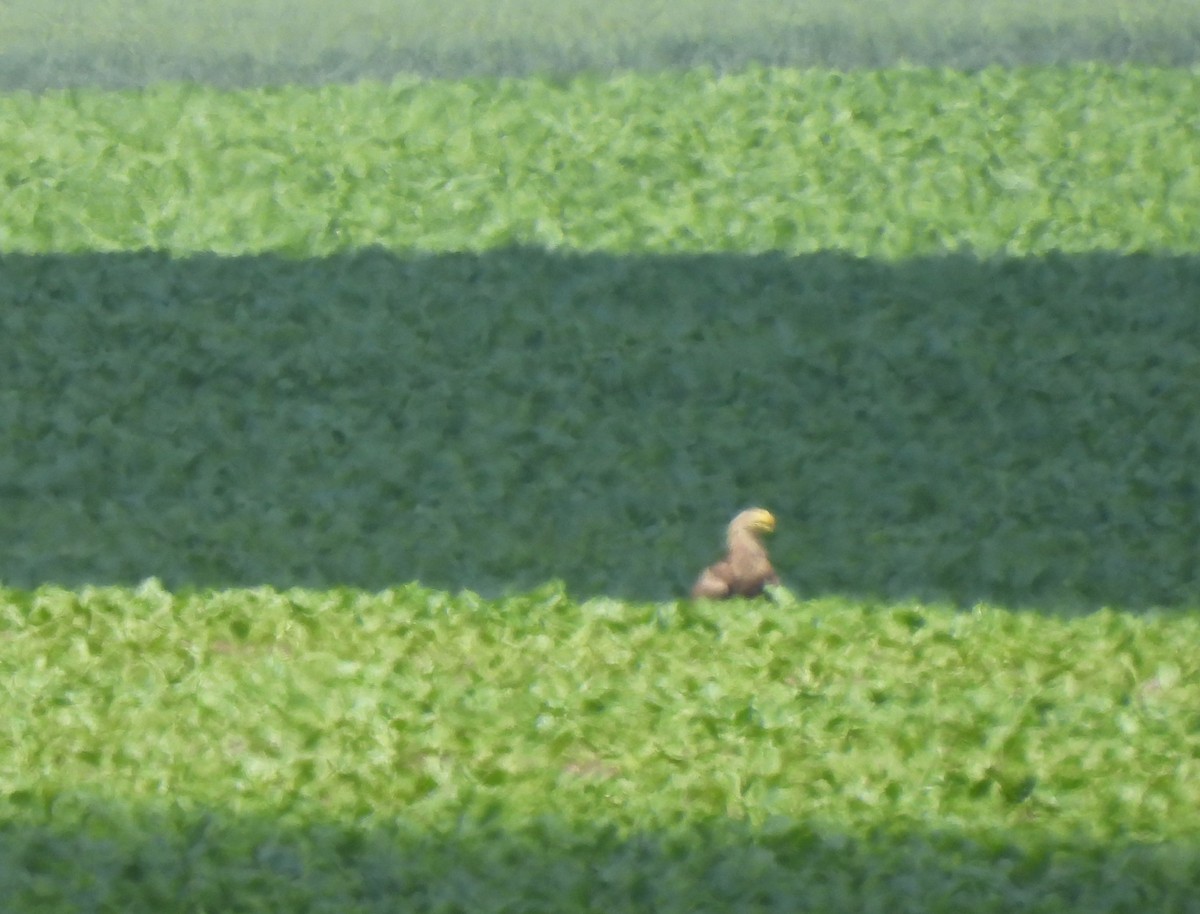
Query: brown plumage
x,y
746,568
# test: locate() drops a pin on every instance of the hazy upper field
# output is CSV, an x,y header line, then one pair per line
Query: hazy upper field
x,y
241,42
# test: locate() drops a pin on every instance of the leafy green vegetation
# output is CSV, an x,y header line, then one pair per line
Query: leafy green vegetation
x,y
410,750
55,43
889,164
490,334
483,335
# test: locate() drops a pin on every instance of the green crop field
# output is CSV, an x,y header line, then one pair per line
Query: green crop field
x,y
357,442
258,750
488,334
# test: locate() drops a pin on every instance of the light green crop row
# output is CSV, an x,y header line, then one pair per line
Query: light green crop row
x,y
886,164
410,750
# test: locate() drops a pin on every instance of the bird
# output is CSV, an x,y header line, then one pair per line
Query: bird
x,y
746,568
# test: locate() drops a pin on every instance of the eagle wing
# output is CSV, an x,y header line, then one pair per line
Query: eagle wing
x,y
726,579
714,582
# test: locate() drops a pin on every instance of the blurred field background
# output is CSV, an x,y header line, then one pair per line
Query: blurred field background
x,y
109,43
487,364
